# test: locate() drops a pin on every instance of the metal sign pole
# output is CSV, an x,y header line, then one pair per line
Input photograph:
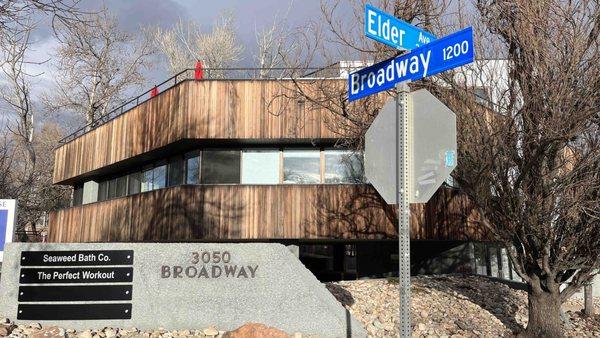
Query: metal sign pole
x,y
402,181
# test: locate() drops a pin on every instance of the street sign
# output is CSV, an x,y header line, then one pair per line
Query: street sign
x,y
445,53
432,143
392,31
8,212
406,163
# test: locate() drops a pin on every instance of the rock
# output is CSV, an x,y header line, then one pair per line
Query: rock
x,y
211,331
4,331
424,314
49,332
110,332
254,330
85,334
462,325
378,324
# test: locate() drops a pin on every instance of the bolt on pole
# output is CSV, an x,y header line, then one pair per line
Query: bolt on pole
x,y
402,181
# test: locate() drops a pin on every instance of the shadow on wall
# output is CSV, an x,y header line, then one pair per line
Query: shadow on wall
x,y
449,215
361,214
195,214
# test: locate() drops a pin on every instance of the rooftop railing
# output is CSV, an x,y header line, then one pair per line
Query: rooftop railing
x,y
331,71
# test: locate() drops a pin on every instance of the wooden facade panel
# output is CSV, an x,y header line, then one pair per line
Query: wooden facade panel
x,y
221,212
241,109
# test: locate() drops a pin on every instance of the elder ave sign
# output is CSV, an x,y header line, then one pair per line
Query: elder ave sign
x,y
424,136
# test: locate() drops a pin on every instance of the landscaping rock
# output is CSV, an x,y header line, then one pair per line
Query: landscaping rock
x,y
253,330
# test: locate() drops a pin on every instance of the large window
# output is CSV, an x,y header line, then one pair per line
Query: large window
x,y
160,176
103,190
147,180
121,186
260,166
220,166
135,182
176,171
192,167
77,195
248,166
301,166
343,166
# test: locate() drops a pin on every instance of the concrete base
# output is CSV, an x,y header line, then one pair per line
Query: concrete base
x,y
276,289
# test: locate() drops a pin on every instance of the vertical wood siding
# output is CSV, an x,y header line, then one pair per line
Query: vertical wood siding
x,y
220,212
240,109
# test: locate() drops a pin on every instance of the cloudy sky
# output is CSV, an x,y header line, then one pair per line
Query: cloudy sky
x,y
250,16
132,15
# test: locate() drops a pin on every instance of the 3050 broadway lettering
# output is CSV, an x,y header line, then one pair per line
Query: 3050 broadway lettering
x,y
209,264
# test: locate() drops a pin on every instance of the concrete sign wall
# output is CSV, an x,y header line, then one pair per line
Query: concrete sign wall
x,y
175,286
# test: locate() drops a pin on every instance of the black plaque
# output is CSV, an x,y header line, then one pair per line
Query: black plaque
x,y
74,293
77,258
75,275
73,311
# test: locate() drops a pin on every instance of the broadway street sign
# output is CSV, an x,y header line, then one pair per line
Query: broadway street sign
x,y
445,53
392,31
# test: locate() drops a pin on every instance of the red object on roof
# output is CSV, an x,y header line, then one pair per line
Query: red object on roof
x,y
154,92
198,70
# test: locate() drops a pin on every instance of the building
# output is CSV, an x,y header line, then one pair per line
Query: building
x,y
205,161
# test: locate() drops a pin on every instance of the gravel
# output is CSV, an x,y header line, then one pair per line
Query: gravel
x,y
442,306
450,306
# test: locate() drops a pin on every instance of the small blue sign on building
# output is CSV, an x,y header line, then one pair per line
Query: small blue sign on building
x,y
445,53
392,31
7,223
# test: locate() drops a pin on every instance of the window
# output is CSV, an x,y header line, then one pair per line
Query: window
x,y
160,177
121,186
192,165
147,177
175,171
135,180
301,166
103,191
77,195
343,166
112,188
220,166
260,166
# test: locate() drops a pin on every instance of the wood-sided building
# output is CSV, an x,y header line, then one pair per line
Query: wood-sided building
x,y
208,160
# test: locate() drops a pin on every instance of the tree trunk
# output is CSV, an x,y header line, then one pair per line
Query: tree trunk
x,y
544,315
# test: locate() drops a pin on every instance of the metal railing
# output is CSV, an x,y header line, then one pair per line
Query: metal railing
x,y
330,71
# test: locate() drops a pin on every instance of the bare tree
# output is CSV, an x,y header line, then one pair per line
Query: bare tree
x,y
26,152
96,64
16,15
529,148
16,91
269,42
169,45
185,43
